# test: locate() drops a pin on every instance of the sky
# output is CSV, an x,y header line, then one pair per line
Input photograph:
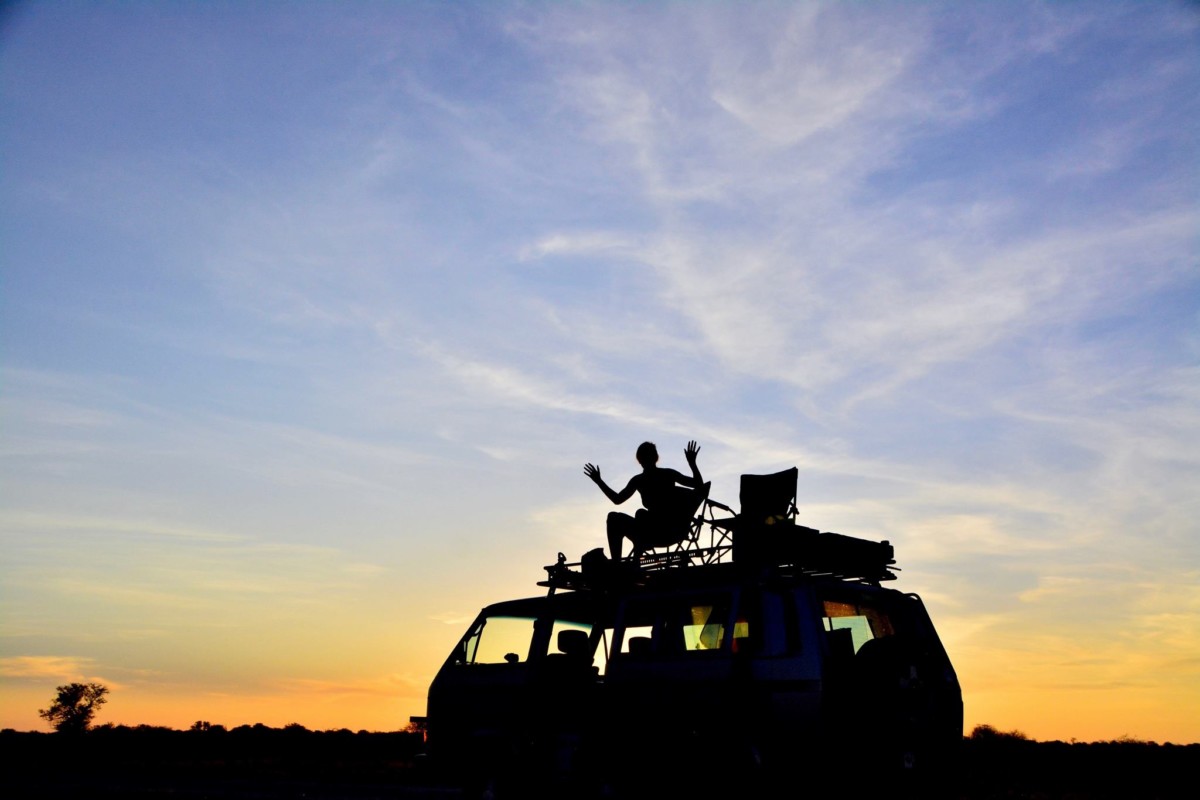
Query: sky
x,y
311,314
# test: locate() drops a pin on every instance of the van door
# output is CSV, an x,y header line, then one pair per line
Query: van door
x,y
890,688
522,675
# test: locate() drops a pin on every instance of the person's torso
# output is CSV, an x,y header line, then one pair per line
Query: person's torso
x,y
655,487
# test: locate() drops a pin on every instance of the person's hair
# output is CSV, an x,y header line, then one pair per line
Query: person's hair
x,y
647,454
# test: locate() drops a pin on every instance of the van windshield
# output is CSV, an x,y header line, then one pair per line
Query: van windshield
x,y
499,640
510,639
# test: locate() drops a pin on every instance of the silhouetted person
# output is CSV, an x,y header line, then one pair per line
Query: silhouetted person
x,y
656,524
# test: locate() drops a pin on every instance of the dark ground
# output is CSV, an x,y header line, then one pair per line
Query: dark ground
x,y
259,763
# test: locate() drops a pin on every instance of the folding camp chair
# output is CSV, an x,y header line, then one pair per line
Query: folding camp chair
x,y
767,514
682,535
769,499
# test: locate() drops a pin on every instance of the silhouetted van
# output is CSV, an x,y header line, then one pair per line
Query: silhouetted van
x,y
694,671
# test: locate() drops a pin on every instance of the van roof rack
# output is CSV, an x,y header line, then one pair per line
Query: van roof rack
x,y
790,551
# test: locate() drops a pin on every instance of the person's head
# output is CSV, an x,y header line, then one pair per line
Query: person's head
x,y
647,454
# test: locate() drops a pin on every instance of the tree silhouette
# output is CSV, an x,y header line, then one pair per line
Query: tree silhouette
x,y
74,707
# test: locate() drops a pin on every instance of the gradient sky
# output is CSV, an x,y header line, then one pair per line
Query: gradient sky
x,y
311,314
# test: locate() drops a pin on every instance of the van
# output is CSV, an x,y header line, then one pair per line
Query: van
x,y
692,670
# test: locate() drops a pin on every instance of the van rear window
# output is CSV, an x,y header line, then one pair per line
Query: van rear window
x,y
864,620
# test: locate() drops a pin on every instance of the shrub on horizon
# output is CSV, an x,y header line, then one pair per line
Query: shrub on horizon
x,y
984,733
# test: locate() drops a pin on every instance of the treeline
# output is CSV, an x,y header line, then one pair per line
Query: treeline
x,y
111,761
144,742
147,761
995,764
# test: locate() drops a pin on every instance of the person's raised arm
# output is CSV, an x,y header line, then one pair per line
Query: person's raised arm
x,y
690,452
593,472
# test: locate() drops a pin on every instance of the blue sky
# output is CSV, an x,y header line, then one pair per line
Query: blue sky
x,y
310,315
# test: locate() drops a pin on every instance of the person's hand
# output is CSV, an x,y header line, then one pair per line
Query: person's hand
x,y
592,471
690,451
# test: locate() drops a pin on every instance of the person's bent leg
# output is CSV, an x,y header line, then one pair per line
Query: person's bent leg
x,y
620,526
642,532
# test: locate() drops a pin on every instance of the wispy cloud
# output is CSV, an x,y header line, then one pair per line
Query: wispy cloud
x,y
57,667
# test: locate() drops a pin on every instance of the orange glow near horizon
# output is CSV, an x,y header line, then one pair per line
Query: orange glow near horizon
x,y
1043,714
1008,690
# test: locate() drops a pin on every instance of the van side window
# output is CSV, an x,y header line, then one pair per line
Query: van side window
x,y
704,625
748,625
599,657
671,626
